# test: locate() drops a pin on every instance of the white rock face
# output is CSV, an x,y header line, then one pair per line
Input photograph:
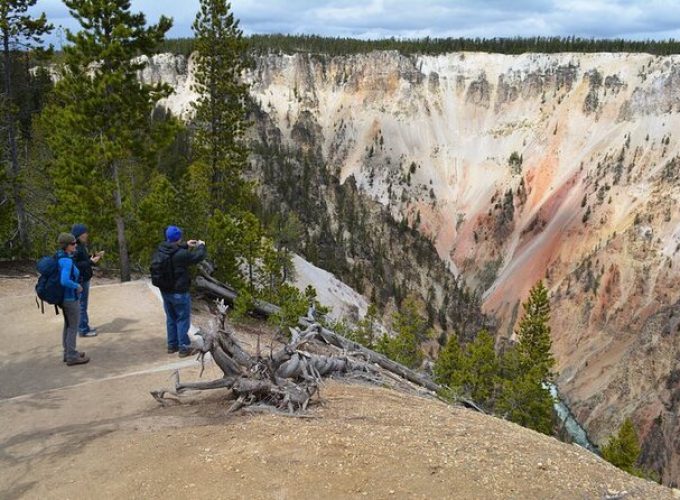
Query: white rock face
x,y
176,71
344,301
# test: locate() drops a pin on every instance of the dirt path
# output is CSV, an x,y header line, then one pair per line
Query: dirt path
x,y
94,431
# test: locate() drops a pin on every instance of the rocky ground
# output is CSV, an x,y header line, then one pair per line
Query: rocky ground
x,y
94,431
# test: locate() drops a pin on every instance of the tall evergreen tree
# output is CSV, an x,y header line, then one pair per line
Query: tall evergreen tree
x,y
19,33
101,130
533,334
218,192
220,109
528,366
523,398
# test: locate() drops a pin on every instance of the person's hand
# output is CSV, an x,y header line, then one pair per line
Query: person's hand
x,y
80,289
192,243
96,258
200,242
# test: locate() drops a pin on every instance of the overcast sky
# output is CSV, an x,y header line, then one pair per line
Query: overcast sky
x,y
635,19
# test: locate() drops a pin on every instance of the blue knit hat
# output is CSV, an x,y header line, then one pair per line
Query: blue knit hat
x,y
173,234
78,230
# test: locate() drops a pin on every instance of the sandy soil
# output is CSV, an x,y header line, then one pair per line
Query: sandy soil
x,y
94,431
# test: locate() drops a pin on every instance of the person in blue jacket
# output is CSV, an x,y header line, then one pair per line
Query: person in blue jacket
x,y
68,277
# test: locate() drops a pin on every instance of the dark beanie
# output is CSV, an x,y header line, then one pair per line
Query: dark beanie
x,y
173,234
78,230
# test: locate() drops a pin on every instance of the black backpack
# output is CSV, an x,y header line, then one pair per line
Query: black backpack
x,y
163,270
49,287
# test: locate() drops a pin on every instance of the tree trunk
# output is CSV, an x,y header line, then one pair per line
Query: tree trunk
x,y
120,228
14,170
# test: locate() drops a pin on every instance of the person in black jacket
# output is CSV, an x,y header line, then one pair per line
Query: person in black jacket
x,y
177,301
84,262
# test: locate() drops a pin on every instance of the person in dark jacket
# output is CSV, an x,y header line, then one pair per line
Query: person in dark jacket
x,y
84,262
69,277
177,301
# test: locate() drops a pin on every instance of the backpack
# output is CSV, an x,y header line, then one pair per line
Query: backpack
x,y
49,289
163,270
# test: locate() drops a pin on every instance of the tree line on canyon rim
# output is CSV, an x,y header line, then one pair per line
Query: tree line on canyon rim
x,y
334,46
92,146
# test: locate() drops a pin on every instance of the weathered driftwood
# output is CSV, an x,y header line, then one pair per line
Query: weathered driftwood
x,y
374,357
304,365
218,290
286,379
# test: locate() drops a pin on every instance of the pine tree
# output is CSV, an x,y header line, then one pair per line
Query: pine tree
x,y
623,449
533,334
481,376
410,330
286,230
472,371
449,362
365,333
251,246
156,211
527,367
225,234
523,398
19,32
100,127
220,109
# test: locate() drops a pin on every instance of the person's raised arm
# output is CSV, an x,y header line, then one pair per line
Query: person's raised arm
x,y
198,253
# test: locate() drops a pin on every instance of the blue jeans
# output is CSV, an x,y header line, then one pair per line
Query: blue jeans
x,y
177,319
84,324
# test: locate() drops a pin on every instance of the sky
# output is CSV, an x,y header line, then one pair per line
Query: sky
x,y
632,19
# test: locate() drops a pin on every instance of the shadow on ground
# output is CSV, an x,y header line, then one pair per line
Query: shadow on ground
x,y
111,354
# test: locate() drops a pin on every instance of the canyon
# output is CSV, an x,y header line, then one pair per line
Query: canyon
x,y
517,168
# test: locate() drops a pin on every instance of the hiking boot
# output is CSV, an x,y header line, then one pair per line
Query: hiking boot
x,y
172,350
188,352
81,354
92,332
80,360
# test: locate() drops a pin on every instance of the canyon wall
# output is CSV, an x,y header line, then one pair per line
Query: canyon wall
x,y
561,167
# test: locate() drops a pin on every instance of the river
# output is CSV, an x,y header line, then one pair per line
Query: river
x,y
577,433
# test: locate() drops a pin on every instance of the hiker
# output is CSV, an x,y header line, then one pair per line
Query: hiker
x,y
84,262
170,272
68,278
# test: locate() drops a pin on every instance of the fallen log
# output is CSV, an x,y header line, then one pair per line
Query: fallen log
x,y
286,379
379,359
221,291
213,287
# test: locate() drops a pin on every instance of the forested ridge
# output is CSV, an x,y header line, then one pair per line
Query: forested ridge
x,y
292,44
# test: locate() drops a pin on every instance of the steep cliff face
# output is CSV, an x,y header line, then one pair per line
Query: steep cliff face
x,y
560,167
